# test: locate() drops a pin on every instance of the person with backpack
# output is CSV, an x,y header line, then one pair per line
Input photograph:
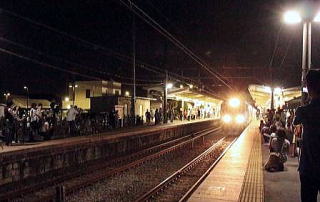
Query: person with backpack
x,y
279,148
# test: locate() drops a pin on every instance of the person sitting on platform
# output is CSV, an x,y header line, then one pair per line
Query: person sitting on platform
x,y
279,148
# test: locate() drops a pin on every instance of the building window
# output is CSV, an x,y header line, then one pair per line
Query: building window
x,y
88,93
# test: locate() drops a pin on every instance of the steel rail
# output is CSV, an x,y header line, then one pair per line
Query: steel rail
x,y
175,176
113,171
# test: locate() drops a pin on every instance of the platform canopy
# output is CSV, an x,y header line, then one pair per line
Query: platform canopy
x,y
192,95
262,95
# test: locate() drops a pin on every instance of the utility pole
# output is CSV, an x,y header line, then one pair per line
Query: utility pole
x,y
165,92
133,101
306,58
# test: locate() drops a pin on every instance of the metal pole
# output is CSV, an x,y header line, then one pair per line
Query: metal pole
x,y
304,61
134,65
73,94
272,98
165,118
309,45
27,100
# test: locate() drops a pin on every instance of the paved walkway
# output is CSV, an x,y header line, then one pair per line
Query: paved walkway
x,y
282,186
226,180
112,135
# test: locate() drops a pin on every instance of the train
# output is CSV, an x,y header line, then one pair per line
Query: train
x,y
236,114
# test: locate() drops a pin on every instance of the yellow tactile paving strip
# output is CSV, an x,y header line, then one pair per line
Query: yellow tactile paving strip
x,y
226,180
252,188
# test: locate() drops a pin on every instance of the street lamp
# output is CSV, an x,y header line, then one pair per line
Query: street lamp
x,y
7,96
73,86
295,17
169,85
27,89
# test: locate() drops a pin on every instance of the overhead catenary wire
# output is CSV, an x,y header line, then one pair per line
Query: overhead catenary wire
x,y
69,62
145,17
108,51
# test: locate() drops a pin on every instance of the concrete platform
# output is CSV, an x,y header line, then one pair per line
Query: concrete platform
x,y
112,135
228,180
239,176
30,163
282,186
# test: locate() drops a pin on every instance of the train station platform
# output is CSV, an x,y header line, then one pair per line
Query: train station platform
x,y
120,133
239,175
24,164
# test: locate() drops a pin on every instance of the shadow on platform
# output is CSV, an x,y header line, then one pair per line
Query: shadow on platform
x,y
281,186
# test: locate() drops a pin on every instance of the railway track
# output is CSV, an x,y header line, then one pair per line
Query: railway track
x,y
180,185
102,169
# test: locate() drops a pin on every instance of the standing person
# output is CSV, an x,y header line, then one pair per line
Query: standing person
x,y
9,124
309,117
157,117
33,122
71,119
152,114
148,117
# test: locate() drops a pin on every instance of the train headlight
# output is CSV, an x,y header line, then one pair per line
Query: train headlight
x,y
226,118
234,102
240,118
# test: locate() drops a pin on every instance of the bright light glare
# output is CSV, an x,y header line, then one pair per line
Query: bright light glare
x,y
278,90
317,18
226,118
127,93
234,102
267,89
292,17
240,118
181,86
66,99
191,86
169,85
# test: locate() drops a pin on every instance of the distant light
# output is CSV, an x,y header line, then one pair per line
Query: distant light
x,y
70,86
305,89
267,89
169,85
240,118
226,118
76,86
277,90
292,17
181,86
66,99
25,87
317,18
127,93
234,102
191,86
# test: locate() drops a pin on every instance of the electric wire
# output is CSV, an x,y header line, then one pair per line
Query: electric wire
x,y
144,16
108,51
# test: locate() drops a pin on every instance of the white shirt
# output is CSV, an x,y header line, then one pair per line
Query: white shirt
x,y
71,114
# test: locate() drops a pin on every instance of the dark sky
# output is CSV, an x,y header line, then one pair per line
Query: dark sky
x,y
236,38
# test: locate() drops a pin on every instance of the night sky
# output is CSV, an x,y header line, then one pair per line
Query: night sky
x,y
236,38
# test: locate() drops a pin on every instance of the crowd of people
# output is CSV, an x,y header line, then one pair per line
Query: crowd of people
x,y
277,131
301,128
21,125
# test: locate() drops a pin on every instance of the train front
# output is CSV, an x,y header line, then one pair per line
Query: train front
x,y
234,116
